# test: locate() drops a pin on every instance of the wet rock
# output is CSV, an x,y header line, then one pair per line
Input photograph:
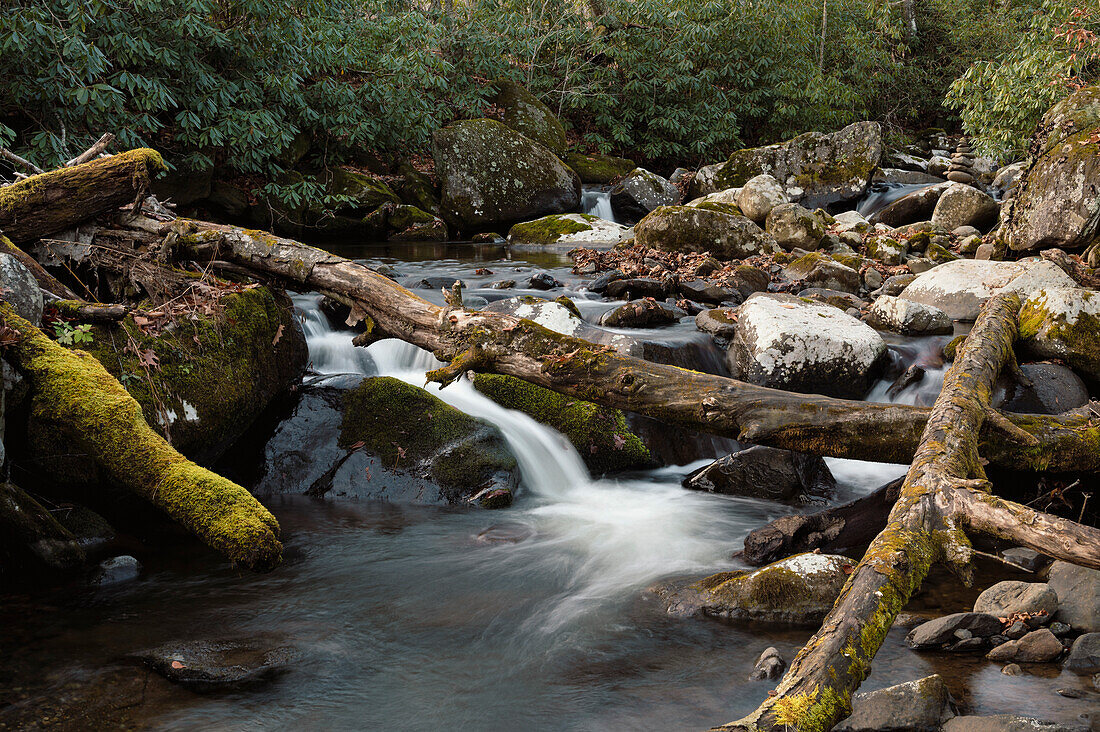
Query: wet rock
x,y
643,313
908,318
798,590
20,289
492,176
1012,669
528,115
1054,389
596,168
1010,597
766,472
916,206
758,196
599,285
1055,202
704,291
638,287
815,169
1038,646
505,534
566,231
961,287
912,375
784,342
1006,723
89,528
600,434
1084,655
914,706
964,205
769,665
28,530
695,229
501,285
1063,323
543,281
117,570
214,665
941,631
1017,630
795,227
639,193
1078,590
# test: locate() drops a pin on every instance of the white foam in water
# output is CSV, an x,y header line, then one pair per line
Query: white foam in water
x,y
597,203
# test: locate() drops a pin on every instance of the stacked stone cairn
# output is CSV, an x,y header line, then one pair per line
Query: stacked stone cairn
x,y
962,164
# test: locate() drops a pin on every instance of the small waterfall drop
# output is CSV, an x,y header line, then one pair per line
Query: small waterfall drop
x,y
882,195
597,202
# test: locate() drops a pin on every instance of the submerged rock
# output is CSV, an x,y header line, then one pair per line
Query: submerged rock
x,y
1007,723
694,229
960,288
1055,202
600,434
914,706
766,472
567,231
815,169
117,570
213,665
798,590
785,342
491,175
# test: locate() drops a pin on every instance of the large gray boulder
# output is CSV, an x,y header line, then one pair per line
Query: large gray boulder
x,y
1038,646
961,287
795,227
907,317
1055,203
1011,596
921,705
815,169
765,472
1063,323
963,205
493,176
639,193
526,114
696,229
1078,591
759,195
942,631
787,342
20,289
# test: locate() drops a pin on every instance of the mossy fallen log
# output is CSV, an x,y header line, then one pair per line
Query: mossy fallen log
x,y
496,343
45,204
74,394
945,494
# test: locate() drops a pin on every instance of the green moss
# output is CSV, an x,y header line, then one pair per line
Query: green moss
x,y
594,168
939,254
526,114
1049,334
814,712
75,396
720,207
594,430
549,229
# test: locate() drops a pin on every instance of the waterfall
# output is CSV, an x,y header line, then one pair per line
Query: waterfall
x,y
882,195
597,202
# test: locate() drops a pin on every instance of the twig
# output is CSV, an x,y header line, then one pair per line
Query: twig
x,y
99,146
9,155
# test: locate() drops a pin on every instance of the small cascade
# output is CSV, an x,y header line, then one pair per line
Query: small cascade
x,y
597,202
330,351
881,195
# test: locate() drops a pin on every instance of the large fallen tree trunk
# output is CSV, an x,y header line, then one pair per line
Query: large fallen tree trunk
x,y
74,394
504,344
59,200
945,493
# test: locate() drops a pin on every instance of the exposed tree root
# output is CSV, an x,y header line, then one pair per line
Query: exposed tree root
x,y
74,394
945,494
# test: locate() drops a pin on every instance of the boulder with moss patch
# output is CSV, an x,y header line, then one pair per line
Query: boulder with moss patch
x,y
1055,202
640,192
492,175
567,231
820,270
352,197
795,227
698,229
1064,323
600,434
961,287
526,114
798,590
600,169
815,169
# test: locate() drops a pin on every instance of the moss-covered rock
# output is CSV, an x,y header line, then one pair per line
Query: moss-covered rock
x,y
887,250
358,194
1055,203
600,434
821,270
795,227
596,168
406,223
798,590
1064,323
696,229
816,169
203,381
566,231
526,114
416,188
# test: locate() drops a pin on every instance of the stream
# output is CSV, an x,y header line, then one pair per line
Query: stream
x,y
402,617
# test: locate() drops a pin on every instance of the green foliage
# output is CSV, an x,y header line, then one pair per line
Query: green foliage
x,y
1000,100
68,334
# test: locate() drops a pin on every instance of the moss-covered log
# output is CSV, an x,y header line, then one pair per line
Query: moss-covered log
x,y
504,344
945,493
46,204
74,394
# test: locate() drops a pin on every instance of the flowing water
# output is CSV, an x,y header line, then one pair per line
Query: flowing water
x,y
418,618
597,202
881,195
